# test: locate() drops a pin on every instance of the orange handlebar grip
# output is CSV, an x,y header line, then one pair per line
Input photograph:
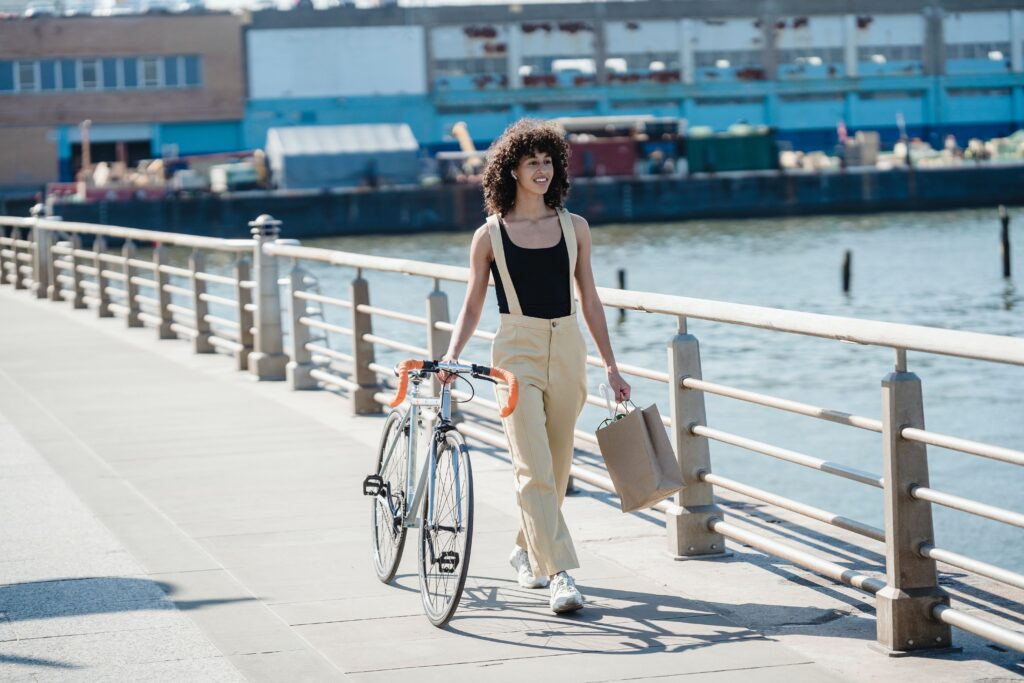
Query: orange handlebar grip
x,y
403,380
513,389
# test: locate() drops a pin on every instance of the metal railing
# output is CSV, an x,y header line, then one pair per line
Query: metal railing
x,y
914,612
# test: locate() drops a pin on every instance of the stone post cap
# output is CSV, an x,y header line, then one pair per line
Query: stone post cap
x,y
265,225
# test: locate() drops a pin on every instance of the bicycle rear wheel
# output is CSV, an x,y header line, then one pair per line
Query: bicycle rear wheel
x,y
446,530
388,514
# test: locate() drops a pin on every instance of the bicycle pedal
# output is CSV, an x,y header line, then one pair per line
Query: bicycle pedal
x,y
372,485
448,562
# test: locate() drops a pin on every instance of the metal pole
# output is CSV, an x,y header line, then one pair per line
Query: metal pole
x,y
688,532
201,341
131,289
363,402
301,363
268,360
904,606
163,297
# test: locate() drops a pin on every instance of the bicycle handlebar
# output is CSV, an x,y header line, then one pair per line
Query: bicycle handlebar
x,y
405,366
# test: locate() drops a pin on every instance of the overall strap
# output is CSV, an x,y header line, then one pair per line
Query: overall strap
x,y
497,246
570,244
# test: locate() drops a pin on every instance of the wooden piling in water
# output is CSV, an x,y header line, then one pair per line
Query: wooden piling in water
x,y
621,274
847,264
1004,241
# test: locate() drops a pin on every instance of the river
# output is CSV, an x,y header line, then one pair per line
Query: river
x,y
935,269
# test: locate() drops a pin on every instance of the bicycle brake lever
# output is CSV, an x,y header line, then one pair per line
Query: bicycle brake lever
x,y
483,377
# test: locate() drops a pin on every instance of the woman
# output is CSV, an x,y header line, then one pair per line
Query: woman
x,y
536,250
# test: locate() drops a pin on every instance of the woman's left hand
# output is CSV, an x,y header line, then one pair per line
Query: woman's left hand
x,y
620,387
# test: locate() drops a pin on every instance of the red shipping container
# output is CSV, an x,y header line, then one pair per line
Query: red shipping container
x,y
602,157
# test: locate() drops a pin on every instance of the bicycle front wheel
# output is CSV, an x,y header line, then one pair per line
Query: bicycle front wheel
x,y
446,530
389,505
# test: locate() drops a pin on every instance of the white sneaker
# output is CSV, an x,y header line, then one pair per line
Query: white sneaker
x,y
520,561
565,597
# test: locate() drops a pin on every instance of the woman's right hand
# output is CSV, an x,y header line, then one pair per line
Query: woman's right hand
x,y
447,377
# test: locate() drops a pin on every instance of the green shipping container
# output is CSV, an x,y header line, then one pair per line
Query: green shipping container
x,y
749,151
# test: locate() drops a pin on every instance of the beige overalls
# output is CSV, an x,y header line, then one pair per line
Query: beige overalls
x,y
549,358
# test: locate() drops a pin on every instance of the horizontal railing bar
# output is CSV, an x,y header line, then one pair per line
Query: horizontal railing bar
x,y
223,343
964,445
139,263
320,298
635,370
836,416
1000,349
795,506
22,256
89,284
113,275
143,299
175,289
175,270
585,436
91,300
251,307
219,279
477,399
843,471
320,325
25,270
381,369
61,248
832,570
247,284
181,310
328,352
143,281
397,346
979,627
88,270
150,318
66,279
331,378
967,505
111,258
118,308
140,235
223,322
479,334
379,263
63,264
178,328
116,291
985,569
214,299
394,315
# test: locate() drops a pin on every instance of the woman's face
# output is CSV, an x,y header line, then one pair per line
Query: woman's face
x,y
535,173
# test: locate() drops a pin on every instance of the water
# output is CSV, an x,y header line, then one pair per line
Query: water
x,y
936,269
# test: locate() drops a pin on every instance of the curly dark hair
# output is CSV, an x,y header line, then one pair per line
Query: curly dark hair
x,y
523,138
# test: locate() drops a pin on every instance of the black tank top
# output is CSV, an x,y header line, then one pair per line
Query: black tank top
x,y
539,276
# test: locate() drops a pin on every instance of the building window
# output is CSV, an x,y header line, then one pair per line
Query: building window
x,y
193,74
171,71
6,76
68,74
28,78
727,59
883,54
90,74
470,67
48,75
150,72
130,68
110,75
995,52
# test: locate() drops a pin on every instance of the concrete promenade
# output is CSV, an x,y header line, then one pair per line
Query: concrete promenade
x,y
163,517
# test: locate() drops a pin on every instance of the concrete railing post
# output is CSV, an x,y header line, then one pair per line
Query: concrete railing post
x,y
42,266
201,341
18,278
99,247
163,297
78,294
3,256
904,606
131,288
688,532
302,360
437,340
53,287
363,402
267,361
245,310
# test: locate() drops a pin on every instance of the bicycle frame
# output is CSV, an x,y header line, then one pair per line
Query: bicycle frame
x,y
438,421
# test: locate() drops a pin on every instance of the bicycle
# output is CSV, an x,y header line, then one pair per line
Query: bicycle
x,y
441,503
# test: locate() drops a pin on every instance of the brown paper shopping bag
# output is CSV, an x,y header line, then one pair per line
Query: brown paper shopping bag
x,y
639,458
